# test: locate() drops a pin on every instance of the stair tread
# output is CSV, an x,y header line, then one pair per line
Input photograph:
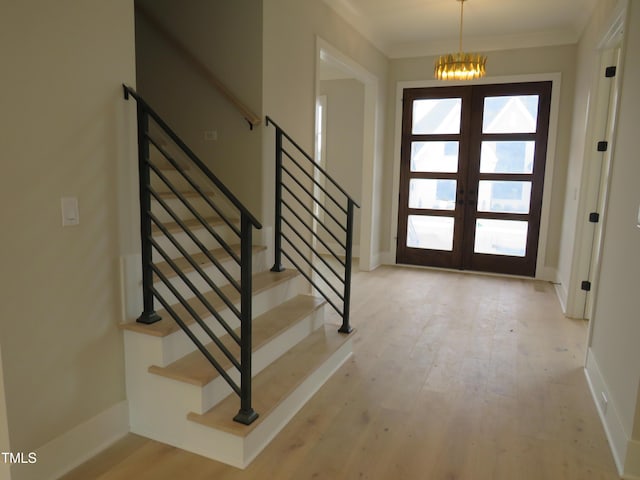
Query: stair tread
x,y
195,369
276,382
202,260
192,223
166,326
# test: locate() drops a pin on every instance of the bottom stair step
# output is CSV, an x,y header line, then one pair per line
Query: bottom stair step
x,y
194,368
279,391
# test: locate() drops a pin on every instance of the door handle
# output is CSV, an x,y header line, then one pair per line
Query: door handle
x,y
472,200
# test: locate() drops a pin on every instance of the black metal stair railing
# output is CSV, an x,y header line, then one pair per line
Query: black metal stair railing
x,y
326,229
153,275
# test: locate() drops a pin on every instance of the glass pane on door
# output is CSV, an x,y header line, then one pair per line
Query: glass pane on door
x,y
432,194
510,114
436,115
501,237
429,232
507,157
504,197
434,157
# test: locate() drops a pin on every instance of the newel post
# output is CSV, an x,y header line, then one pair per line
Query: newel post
x,y
148,315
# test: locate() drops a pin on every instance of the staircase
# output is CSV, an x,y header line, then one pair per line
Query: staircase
x,y
218,324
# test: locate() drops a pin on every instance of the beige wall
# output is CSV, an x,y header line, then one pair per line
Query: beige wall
x,y
226,37
63,131
504,63
344,136
616,330
289,75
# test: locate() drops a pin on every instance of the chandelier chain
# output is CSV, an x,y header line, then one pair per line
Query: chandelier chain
x,y
461,65
461,22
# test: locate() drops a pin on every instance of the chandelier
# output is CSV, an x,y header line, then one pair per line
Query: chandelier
x,y
461,65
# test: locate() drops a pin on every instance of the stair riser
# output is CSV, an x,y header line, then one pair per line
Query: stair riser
x,y
198,203
218,279
144,389
149,350
185,241
153,413
173,429
174,346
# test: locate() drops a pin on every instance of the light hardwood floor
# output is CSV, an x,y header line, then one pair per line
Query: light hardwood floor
x,y
454,376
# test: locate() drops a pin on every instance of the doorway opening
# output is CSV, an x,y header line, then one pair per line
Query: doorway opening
x,y
595,174
347,138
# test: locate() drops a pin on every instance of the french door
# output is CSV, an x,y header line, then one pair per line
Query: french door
x,y
472,176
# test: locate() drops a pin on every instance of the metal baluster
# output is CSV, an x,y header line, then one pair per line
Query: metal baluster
x,y
247,414
277,245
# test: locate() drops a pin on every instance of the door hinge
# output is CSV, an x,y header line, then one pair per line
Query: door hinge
x,y
610,72
594,217
602,146
586,286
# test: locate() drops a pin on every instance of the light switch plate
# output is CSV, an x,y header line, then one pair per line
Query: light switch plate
x,y
70,213
210,135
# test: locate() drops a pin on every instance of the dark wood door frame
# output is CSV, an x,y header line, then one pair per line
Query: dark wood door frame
x,y
468,177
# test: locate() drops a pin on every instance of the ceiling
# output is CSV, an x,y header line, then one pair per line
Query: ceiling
x,y
406,28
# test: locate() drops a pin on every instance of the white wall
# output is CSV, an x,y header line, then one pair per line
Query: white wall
x,y
65,130
614,353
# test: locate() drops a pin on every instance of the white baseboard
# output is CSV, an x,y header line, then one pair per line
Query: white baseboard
x,y
562,294
624,449
76,446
